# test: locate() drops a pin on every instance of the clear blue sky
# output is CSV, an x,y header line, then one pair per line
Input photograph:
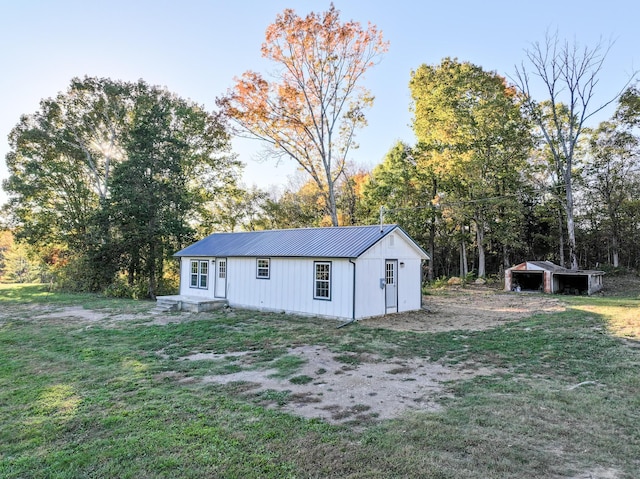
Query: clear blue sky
x,y
196,47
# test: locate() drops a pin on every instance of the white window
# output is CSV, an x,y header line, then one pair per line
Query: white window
x,y
199,274
204,274
390,277
263,268
322,280
194,274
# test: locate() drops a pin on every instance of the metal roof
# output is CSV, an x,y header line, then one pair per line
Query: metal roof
x,y
332,242
554,268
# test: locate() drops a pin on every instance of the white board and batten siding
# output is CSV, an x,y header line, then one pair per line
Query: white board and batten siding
x,y
289,288
371,268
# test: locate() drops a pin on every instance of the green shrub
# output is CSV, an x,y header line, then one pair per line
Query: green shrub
x,y
438,282
615,270
119,288
168,285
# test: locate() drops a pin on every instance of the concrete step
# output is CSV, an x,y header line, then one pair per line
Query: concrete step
x,y
165,304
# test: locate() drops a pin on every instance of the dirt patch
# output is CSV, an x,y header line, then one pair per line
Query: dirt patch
x,y
109,318
214,356
106,318
471,308
599,473
77,312
338,391
164,319
329,389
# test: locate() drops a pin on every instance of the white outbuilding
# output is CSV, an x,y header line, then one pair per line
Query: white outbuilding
x,y
350,272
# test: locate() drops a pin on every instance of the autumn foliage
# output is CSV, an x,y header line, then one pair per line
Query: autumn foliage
x,y
310,109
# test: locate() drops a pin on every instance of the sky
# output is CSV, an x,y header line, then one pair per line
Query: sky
x,y
195,48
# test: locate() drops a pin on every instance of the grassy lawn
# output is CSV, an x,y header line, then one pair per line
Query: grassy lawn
x,y
82,399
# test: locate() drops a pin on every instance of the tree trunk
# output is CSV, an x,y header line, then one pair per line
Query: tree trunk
x,y
561,239
151,267
331,197
481,253
130,274
432,248
615,235
614,249
432,230
464,269
505,257
571,234
152,271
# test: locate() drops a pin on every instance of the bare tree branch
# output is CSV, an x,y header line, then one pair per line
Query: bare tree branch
x,y
570,74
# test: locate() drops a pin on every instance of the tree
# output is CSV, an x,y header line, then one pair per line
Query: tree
x,y
6,245
549,174
20,265
349,195
569,74
173,156
628,112
313,106
612,175
61,159
240,209
113,175
475,140
407,194
300,205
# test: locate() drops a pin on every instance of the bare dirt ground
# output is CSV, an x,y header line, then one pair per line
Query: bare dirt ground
x,y
470,308
383,389
373,388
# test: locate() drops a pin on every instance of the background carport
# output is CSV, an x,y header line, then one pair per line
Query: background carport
x,y
548,277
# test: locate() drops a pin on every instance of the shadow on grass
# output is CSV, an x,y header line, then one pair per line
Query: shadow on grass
x,y
103,403
19,294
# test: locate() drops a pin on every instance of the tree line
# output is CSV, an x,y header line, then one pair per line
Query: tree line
x,y
109,178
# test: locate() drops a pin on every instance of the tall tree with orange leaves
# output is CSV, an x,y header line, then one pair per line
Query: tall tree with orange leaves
x,y
314,103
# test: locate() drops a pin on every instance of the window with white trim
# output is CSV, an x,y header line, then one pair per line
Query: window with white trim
x,y
204,275
263,268
390,277
322,280
199,274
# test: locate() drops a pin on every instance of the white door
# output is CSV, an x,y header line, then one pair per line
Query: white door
x,y
220,290
391,285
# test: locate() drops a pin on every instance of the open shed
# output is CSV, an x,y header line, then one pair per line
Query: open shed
x,y
548,277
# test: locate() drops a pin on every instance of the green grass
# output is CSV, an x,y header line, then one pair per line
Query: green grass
x,y
107,401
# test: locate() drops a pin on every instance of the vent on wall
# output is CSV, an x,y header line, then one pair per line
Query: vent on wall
x,y
391,240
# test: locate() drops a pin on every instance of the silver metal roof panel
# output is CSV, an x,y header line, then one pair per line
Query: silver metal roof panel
x,y
331,242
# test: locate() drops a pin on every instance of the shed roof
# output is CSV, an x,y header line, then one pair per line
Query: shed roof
x,y
331,242
554,268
